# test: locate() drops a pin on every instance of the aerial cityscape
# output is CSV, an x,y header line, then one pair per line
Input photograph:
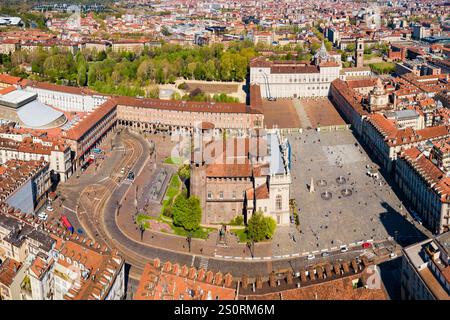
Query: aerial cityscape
x,y
225,150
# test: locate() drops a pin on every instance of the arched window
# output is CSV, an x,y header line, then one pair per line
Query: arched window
x,y
278,202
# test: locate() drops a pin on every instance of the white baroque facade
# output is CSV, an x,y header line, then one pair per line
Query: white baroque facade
x,y
296,79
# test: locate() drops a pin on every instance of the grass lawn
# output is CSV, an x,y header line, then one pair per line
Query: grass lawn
x,y
241,234
143,219
201,233
382,67
174,160
172,190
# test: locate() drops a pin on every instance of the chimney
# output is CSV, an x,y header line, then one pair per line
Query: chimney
x,y
272,280
218,279
289,278
209,277
345,267
184,271
176,269
259,282
303,276
319,273
228,280
167,266
355,265
312,275
365,261
244,281
192,273
201,274
337,268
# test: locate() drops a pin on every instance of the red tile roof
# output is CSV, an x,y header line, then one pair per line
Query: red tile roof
x,y
6,78
86,123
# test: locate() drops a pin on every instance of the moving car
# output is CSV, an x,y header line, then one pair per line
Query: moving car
x,y
344,249
311,257
49,209
43,215
325,254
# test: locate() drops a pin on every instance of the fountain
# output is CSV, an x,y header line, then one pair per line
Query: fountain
x,y
341,180
326,195
346,192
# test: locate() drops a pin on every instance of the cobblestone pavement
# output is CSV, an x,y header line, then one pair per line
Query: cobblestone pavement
x,y
353,209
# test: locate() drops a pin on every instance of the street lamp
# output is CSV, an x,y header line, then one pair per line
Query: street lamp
x,y
142,229
251,247
189,240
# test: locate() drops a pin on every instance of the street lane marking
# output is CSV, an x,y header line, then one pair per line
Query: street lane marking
x,y
267,258
192,262
238,258
277,257
286,256
218,256
257,258
296,254
324,250
227,257
315,251
248,258
305,253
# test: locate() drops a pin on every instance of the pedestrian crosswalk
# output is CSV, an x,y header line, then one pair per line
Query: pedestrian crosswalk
x,y
204,263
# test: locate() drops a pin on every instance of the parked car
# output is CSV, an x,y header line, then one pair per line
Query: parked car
x,y
43,215
393,255
122,171
344,249
311,257
49,209
325,254
366,245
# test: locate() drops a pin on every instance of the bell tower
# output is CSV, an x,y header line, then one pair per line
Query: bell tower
x,y
359,52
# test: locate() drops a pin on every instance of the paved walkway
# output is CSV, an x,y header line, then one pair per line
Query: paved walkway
x,y
304,120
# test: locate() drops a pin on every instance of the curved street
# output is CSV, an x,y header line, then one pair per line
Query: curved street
x,y
100,192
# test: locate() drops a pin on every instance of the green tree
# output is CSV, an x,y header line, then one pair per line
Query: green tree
x,y
184,172
146,71
260,227
210,70
187,212
81,76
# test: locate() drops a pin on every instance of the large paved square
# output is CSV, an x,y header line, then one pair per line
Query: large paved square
x,y
346,210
